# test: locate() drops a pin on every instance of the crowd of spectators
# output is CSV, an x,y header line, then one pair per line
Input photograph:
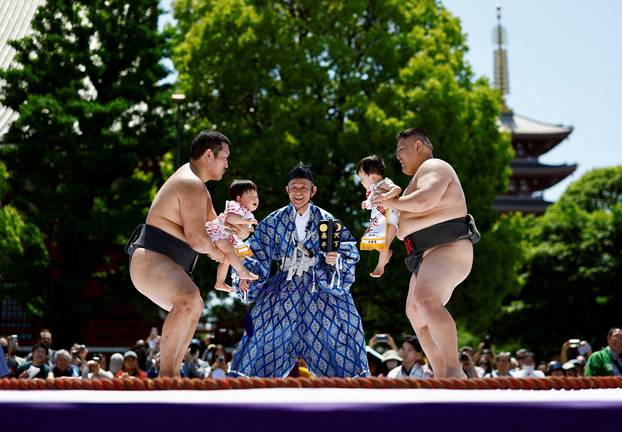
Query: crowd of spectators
x,y
575,359
205,359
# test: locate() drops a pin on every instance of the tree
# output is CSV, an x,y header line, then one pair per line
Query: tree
x,y
92,127
331,82
574,270
24,258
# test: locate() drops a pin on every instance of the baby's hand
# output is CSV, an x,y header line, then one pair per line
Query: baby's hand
x,y
252,221
364,205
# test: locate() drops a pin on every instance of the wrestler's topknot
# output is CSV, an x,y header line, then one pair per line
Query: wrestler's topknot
x,y
418,133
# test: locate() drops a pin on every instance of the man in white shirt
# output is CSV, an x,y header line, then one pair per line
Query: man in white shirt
x,y
527,367
414,364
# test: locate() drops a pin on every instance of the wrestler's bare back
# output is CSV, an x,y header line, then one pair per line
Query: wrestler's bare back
x,y
451,205
165,211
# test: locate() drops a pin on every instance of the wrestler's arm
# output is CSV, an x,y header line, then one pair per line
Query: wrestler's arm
x,y
193,218
391,190
431,186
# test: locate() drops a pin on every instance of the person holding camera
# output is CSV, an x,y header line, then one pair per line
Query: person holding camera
x,y
219,368
576,348
96,369
193,366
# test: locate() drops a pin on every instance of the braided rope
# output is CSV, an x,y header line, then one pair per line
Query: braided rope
x,y
549,383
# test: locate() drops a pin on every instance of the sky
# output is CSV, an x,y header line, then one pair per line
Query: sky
x,y
565,67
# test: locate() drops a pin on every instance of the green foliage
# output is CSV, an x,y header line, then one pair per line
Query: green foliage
x,y
92,126
24,257
331,82
574,271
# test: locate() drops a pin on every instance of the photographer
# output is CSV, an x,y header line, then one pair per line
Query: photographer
x,y
193,366
468,364
576,348
96,370
219,368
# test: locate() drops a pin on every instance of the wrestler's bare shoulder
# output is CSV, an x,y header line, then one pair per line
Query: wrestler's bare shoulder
x,y
435,165
165,211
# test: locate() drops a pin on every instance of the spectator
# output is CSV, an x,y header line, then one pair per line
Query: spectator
x,y
13,350
96,370
206,343
390,361
154,370
527,367
141,348
577,347
193,366
555,368
130,367
382,342
468,362
579,364
607,362
569,369
219,367
116,363
153,340
485,364
414,364
37,367
503,364
45,338
374,359
78,358
63,366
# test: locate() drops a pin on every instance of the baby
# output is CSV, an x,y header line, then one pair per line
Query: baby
x,y
383,222
238,211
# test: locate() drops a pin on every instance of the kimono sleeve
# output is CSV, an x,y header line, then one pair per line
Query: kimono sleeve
x,y
263,246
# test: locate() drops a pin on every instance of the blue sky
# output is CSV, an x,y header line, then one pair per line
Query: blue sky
x,y
565,67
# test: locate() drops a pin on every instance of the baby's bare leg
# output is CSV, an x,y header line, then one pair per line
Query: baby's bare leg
x,y
236,263
221,276
385,254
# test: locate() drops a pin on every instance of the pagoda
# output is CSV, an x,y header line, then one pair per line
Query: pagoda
x,y
530,139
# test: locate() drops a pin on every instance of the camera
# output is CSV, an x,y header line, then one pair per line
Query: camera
x,y
220,358
381,338
464,357
487,342
574,343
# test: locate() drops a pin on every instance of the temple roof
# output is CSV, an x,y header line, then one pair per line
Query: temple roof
x,y
505,203
521,126
533,168
15,17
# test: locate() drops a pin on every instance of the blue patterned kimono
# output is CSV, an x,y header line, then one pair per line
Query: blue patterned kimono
x,y
312,315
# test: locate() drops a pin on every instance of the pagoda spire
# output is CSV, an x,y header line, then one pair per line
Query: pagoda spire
x,y
501,60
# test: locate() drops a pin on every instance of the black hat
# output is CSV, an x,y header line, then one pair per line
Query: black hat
x,y
300,171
